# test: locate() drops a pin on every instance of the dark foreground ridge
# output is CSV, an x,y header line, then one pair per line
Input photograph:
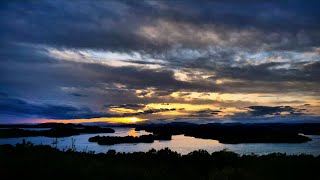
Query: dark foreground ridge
x,y
57,130
240,133
110,140
44,162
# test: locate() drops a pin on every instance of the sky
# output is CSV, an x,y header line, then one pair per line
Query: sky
x,y
159,61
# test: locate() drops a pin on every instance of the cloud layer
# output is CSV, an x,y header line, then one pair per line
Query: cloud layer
x,y
84,58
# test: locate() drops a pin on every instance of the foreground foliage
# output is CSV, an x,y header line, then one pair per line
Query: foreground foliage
x,y
44,162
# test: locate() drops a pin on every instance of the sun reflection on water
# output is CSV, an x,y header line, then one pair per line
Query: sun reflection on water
x,y
132,132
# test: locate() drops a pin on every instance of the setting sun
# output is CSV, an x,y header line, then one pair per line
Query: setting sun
x,y
133,119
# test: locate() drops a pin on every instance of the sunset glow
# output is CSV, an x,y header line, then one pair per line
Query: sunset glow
x,y
126,120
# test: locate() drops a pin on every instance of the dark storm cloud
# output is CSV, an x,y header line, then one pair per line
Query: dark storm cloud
x,y
273,110
83,24
267,77
13,106
129,106
135,78
27,72
149,111
3,94
78,95
266,72
205,113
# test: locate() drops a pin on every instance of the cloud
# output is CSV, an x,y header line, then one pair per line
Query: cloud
x,y
149,27
149,111
205,113
114,59
273,110
129,106
3,94
79,95
13,106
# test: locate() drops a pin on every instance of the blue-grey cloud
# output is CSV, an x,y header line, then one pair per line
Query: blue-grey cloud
x,y
15,106
149,111
273,110
79,95
82,24
205,113
129,106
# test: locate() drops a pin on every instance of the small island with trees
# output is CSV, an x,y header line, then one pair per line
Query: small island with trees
x,y
111,140
56,130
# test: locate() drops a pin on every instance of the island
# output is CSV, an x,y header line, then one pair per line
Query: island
x,y
111,140
234,133
56,130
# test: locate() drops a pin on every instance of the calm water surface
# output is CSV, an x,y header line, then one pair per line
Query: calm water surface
x,y
179,143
